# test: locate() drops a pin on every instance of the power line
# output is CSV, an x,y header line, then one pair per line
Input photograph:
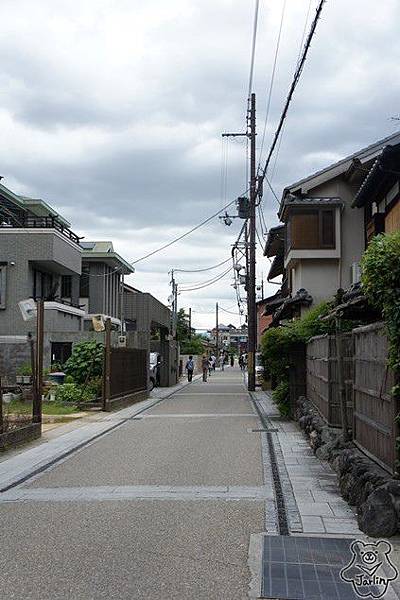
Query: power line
x,y
293,86
168,244
283,128
230,312
271,85
202,270
206,284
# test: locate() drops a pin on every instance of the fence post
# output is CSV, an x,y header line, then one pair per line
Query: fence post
x,y
342,387
1,407
107,365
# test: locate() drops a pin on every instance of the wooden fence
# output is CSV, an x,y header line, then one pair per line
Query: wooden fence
x,y
124,376
375,410
323,379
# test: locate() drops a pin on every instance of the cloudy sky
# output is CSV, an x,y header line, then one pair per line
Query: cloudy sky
x,y
112,111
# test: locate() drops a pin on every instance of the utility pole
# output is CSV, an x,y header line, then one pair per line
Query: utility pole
x,y
122,283
190,323
37,397
174,305
216,333
251,292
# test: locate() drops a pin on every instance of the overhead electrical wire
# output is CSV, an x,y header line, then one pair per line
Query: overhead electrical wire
x,y
202,270
168,244
272,80
283,128
293,86
206,281
206,284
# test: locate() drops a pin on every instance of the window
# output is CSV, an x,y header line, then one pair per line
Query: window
x,y
3,286
42,285
84,282
327,223
311,229
66,286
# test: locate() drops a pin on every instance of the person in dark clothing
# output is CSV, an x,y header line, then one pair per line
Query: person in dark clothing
x,y
232,360
204,366
190,368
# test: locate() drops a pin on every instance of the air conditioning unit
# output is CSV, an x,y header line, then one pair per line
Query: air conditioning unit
x,y
355,274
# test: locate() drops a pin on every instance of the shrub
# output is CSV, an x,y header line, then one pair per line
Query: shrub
x,y
280,396
85,362
277,342
381,284
25,369
72,393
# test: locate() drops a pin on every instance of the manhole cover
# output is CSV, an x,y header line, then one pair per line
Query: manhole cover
x,y
305,568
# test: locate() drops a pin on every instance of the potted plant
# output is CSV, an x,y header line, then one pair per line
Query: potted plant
x,y
24,373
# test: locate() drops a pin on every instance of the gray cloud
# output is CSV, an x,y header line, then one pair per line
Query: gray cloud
x,y
113,112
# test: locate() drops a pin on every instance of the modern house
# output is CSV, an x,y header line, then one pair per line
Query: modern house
x,y
318,247
100,283
37,250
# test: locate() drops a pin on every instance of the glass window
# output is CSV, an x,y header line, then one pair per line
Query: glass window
x,y
84,282
328,228
66,286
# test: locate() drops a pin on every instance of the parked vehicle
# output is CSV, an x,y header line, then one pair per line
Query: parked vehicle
x,y
154,370
259,368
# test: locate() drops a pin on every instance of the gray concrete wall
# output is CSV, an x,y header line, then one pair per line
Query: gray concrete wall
x,y
21,251
103,289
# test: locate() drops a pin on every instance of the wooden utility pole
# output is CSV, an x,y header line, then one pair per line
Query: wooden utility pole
x,y
107,365
251,292
216,333
190,323
38,375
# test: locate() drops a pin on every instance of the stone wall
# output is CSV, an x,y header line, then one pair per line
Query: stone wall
x,y
363,484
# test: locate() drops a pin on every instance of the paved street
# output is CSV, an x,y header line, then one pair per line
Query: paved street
x,y
161,507
171,503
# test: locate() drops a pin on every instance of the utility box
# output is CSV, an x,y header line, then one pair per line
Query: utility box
x,y
243,204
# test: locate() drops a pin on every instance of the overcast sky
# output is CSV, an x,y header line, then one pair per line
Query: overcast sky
x,y
112,111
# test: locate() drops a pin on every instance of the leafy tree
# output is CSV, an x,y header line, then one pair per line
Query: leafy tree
x,y
193,346
381,284
182,326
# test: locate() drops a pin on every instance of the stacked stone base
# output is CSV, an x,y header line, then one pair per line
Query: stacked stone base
x,y
363,484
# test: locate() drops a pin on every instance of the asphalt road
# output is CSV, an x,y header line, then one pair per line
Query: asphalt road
x,y
163,507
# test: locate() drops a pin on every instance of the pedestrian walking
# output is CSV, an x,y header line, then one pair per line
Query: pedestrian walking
x,y
232,360
241,362
214,361
190,368
210,365
204,366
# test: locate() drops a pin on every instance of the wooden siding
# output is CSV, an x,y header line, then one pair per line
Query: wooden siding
x,y
375,410
322,377
392,219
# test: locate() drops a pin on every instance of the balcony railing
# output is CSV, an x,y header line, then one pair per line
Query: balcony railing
x,y
49,223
